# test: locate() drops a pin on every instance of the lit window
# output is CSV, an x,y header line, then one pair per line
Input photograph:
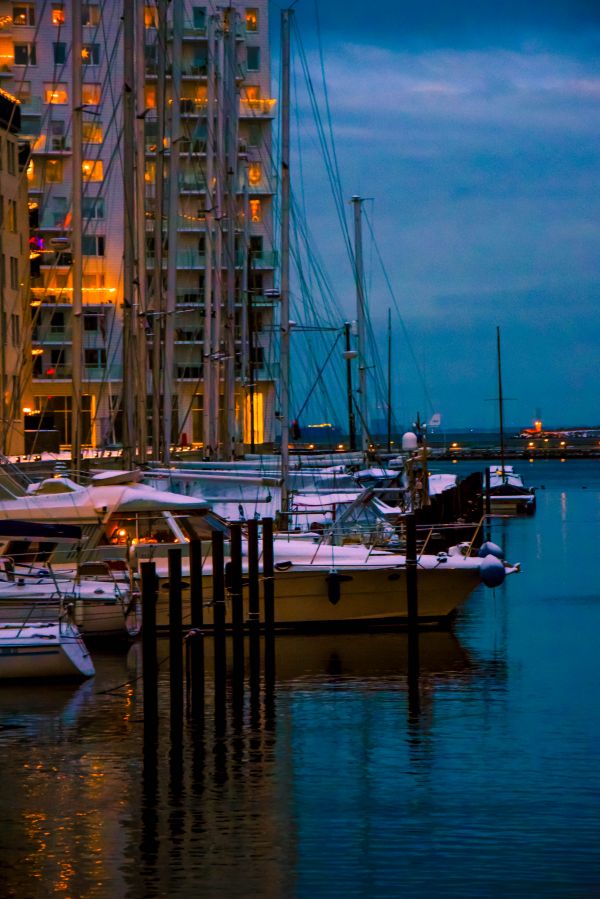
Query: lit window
x,y
150,17
30,170
90,54
150,96
56,94
91,94
255,211
25,55
93,169
24,14
90,15
252,92
253,58
251,19
92,132
254,173
150,173
58,14
24,91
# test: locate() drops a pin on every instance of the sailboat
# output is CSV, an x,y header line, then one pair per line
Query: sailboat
x,y
506,489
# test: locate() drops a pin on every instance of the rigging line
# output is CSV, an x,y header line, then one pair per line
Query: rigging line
x,y
319,374
402,323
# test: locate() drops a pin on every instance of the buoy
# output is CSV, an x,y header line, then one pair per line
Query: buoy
x,y
491,571
490,549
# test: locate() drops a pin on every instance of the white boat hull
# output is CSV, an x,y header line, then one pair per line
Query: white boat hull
x,y
43,650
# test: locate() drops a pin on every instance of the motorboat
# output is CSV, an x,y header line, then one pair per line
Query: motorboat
x,y
43,650
508,494
31,589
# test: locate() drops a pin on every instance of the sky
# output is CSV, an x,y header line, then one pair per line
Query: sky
x,y
474,130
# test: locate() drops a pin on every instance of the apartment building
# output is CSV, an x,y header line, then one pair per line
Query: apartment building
x,y
14,277
36,65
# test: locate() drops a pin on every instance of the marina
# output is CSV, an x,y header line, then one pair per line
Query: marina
x,y
341,777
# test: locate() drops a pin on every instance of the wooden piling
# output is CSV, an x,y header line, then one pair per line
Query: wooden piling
x,y
253,611
412,598
488,504
195,639
220,657
269,606
175,637
149,655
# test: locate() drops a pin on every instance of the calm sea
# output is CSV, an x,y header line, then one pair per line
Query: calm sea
x,y
485,782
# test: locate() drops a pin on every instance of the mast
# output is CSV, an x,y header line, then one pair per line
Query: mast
x,y
349,355
76,241
286,16
218,269
208,411
361,322
157,298
129,390
140,233
231,132
500,402
172,229
389,384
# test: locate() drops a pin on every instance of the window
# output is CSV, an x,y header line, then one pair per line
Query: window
x,y
255,211
14,273
253,58
93,169
90,323
94,358
24,14
254,173
54,171
56,94
254,134
90,55
60,53
59,211
256,246
12,215
25,55
251,19
24,92
57,136
92,132
199,17
58,14
91,94
92,244
15,329
11,157
93,207
90,15
57,323
150,96
150,17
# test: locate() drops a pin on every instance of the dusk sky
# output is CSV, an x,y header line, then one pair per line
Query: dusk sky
x,y
475,128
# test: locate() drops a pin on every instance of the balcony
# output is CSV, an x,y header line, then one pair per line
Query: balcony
x,y
262,107
50,372
189,299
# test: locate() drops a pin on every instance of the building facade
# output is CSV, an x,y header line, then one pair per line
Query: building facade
x,y
36,65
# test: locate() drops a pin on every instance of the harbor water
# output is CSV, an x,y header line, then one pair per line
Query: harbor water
x,y
480,780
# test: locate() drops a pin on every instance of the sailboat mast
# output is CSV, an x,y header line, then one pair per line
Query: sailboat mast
x,y
208,410
157,292
361,321
389,384
140,231
500,402
172,229
76,241
286,16
231,154
129,391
